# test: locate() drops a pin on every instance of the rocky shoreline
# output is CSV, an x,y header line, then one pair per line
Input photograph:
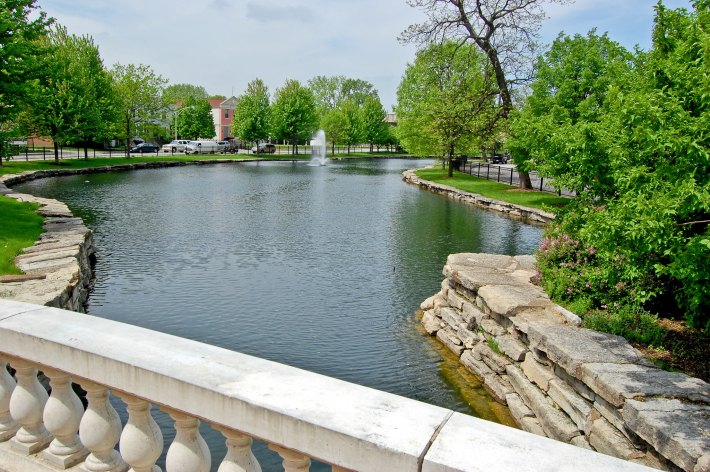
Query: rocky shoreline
x,y
575,385
529,215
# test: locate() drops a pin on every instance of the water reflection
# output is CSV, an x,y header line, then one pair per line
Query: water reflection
x,y
321,268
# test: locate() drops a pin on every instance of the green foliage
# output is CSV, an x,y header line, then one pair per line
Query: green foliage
x,y
179,92
352,122
374,128
139,92
445,101
21,60
74,101
253,113
195,121
635,144
636,325
293,114
20,227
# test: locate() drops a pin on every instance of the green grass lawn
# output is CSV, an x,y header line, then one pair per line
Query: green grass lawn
x,y
490,189
20,227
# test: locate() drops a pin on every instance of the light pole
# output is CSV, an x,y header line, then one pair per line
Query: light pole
x,y
177,112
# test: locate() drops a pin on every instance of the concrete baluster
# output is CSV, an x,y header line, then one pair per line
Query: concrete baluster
x,y
62,415
26,407
8,426
188,451
293,461
99,430
141,439
239,457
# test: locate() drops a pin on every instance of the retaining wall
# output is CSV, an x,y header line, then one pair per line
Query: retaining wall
x,y
517,211
575,385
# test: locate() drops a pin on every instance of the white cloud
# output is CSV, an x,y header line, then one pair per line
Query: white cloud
x,y
224,44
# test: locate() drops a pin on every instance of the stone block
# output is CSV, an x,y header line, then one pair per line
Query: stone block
x,y
517,407
428,304
581,441
440,301
576,407
538,373
554,422
703,464
472,315
610,413
616,383
452,318
532,425
507,300
468,337
470,259
445,287
494,360
455,300
526,262
677,430
492,328
579,386
499,387
511,347
608,440
533,317
475,366
448,337
570,347
431,322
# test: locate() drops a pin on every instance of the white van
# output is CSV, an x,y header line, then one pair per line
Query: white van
x,y
202,147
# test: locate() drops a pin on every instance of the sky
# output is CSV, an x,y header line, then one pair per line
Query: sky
x,y
222,45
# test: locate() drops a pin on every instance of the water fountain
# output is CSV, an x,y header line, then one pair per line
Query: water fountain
x,y
318,149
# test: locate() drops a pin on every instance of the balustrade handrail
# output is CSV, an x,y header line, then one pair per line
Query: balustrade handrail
x,y
348,425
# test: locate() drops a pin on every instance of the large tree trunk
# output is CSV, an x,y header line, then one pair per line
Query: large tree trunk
x,y
56,151
128,136
451,160
86,152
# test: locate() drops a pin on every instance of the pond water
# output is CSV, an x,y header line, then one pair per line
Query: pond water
x,y
321,268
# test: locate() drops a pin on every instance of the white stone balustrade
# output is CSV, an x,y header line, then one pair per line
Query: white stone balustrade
x,y
299,414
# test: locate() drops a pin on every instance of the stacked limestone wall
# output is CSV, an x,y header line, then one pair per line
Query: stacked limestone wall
x,y
58,267
559,380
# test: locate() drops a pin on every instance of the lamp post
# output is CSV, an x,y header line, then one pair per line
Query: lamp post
x,y
177,112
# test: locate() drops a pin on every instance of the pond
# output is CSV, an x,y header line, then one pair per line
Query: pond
x,y
321,268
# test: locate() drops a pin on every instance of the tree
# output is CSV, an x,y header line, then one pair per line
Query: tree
x,y
352,122
293,114
179,92
559,132
327,92
252,117
638,236
139,92
73,102
333,123
506,32
21,59
374,128
196,119
445,101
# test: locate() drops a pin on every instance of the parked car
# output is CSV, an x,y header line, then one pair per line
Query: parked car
x,y
202,147
500,158
145,147
175,146
264,148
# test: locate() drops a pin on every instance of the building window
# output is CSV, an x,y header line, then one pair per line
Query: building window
x,y
226,113
225,132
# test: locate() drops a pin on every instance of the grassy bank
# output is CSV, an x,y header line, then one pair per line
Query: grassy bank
x,y
490,189
16,166
20,227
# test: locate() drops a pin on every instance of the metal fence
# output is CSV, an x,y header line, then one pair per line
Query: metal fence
x,y
508,174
